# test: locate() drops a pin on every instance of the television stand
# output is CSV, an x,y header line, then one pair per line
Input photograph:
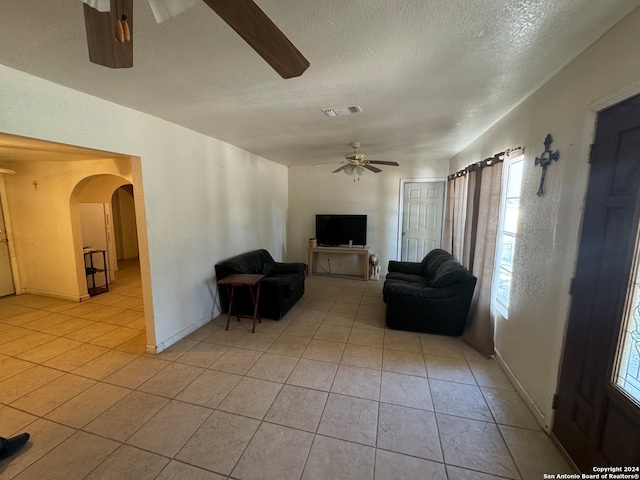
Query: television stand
x,y
360,251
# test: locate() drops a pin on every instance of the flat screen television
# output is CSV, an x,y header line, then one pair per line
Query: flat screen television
x,y
334,230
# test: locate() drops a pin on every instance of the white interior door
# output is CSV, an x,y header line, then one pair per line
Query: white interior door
x,y
422,219
6,278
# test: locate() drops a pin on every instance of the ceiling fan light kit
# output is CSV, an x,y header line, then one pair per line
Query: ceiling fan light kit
x,y
105,19
99,5
163,10
355,163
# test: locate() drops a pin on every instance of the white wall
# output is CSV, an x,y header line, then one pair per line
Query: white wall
x,y
315,190
204,200
530,341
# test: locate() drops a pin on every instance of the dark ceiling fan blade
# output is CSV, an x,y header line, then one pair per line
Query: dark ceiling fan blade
x,y
340,169
101,41
382,162
251,23
373,169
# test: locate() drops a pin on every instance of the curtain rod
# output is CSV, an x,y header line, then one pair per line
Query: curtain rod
x,y
497,158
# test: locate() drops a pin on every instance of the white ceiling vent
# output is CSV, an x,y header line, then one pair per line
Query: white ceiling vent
x,y
335,111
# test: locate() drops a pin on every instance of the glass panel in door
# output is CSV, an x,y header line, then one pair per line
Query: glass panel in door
x,y
627,374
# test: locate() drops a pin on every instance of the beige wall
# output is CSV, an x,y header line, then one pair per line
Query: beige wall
x,y
124,219
44,221
315,190
530,341
198,200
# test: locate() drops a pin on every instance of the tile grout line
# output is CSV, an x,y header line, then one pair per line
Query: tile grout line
x,y
245,375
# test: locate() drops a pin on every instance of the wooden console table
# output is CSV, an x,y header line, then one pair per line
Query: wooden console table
x,y
360,251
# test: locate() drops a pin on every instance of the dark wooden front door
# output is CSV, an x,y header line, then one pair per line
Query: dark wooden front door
x,y
596,420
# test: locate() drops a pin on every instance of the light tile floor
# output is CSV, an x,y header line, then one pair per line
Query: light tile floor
x,y
325,393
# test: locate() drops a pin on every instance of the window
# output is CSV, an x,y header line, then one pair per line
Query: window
x,y
507,230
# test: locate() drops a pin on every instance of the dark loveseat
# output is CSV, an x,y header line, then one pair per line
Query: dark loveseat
x,y
432,296
281,288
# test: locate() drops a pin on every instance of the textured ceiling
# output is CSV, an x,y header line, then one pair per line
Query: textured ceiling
x,y
430,75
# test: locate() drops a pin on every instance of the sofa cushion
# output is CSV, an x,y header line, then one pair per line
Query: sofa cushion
x,y
265,262
413,268
449,273
432,261
419,291
288,268
418,280
287,283
255,262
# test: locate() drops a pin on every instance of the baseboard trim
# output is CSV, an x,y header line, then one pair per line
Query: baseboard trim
x,y
537,413
62,296
178,336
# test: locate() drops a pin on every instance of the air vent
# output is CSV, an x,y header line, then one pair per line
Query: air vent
x,y
335,111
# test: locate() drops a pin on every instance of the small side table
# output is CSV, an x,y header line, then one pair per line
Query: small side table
x,y
92,271
243,280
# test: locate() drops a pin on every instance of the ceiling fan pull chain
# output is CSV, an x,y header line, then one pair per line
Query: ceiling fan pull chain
x,y
125,24
122,30
125,28
119,28
119,31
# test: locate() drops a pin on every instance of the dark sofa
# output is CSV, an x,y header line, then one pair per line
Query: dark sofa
x,y
432,296
281,288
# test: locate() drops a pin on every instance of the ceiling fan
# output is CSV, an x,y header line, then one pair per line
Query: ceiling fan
x,y
355,163
109,26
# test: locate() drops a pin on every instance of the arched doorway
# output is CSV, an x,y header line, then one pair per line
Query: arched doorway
x,y
102,207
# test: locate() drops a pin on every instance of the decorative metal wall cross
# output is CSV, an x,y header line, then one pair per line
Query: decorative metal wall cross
x,y
545,160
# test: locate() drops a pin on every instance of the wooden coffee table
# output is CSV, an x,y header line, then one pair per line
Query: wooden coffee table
x,y
243,280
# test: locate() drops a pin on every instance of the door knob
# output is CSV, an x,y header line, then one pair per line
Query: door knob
x,y
404,234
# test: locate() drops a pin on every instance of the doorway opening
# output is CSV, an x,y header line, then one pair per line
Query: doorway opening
x,y
44,197
124,223
6,275
104,207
